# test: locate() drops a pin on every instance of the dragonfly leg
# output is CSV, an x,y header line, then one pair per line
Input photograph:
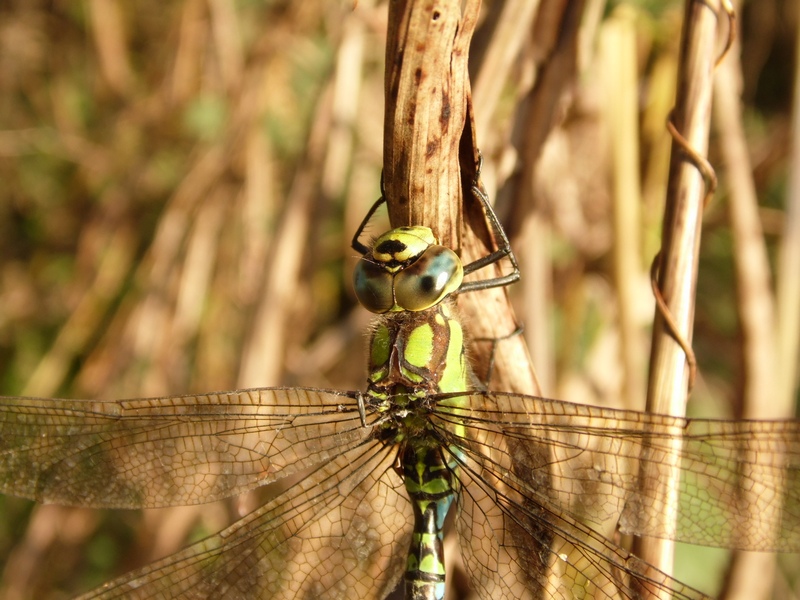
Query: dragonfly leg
x,y
356,244
494,342
362,409
500,238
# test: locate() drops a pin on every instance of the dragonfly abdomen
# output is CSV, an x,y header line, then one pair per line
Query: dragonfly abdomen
x,y
431,485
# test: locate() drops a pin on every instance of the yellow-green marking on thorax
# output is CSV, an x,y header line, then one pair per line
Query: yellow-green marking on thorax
x,y
379,351
419,350
455,377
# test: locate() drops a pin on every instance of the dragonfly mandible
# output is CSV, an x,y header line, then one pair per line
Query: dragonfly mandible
x,y
529,478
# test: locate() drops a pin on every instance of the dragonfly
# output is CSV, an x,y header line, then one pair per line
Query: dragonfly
x,y
529,480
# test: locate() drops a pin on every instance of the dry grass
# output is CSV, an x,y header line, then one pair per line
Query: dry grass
x,y
179,183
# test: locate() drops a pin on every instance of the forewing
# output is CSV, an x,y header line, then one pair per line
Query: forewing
x,y
540,478
168,451
342,532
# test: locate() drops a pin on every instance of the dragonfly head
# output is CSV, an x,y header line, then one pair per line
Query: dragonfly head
x,y
406,270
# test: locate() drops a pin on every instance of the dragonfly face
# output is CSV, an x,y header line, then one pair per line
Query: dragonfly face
x,y
529,478
406,270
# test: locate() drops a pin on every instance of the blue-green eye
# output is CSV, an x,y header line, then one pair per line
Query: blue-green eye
x,y
426,282
373,286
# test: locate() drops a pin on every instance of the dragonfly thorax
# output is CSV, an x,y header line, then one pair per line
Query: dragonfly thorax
x,y
413,357
406,270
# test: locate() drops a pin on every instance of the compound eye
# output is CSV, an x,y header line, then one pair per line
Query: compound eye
x,y
426,282
373,286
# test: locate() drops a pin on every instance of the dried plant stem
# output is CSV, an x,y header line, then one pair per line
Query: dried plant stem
x,y
618,47
430,157
555,29
108,29
539,108
426,108
752,574
116,258
263,356
669,369
508,32
788,276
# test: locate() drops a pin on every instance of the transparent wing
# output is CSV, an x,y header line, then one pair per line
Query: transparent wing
x,y
537,470
342,532
515,548
169,451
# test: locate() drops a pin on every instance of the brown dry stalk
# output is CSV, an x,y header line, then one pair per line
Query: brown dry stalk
x,y
618,48
430,157
752,574
108,29
787,289
426,107
552,58
669,369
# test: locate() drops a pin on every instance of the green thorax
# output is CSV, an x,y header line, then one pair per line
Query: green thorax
x,y
418,353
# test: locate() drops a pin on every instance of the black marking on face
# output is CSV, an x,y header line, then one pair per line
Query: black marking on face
x,y
390,247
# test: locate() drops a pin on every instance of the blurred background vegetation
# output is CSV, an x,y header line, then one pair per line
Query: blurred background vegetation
x,y
179,183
